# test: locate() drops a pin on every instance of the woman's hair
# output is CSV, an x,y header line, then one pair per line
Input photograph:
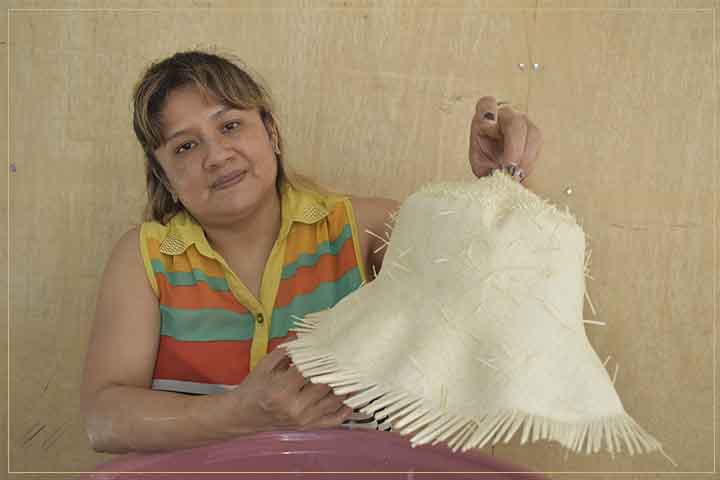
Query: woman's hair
x,y
223,76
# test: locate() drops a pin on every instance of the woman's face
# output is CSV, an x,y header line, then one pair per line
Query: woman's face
x,y
207,142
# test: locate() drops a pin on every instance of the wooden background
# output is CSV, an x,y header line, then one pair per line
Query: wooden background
x,y
375,98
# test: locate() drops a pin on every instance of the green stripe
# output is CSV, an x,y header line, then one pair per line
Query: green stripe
x,y
310,259
184,279
326,295
205,324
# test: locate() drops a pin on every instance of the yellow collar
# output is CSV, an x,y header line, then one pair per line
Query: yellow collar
x,y
296,206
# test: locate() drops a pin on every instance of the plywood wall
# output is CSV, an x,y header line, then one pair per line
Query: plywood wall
x,y
375,99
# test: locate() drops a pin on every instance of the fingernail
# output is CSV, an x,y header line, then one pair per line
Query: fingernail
x,y
489,116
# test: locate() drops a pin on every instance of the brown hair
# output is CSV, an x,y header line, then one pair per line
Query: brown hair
x,y
221,75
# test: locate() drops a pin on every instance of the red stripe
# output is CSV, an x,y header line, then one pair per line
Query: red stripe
x,y
274,342
225,362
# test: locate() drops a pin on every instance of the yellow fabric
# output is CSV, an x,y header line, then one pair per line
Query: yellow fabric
x,y
355,238
147,230
297,205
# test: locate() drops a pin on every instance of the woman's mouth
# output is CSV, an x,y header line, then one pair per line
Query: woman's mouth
x,y
230,180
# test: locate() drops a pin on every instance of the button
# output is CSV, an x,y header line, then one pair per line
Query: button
x,y
260,318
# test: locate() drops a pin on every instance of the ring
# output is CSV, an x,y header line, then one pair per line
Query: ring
x,y
514,170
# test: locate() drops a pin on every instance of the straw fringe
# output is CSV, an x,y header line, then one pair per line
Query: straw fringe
x,y
408,413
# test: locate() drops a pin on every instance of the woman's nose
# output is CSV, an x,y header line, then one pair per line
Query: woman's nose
x,y
219,150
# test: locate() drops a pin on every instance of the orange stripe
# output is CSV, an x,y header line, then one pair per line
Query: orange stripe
x,y
223,362
209,266
329,268
196,296
304,239
336,220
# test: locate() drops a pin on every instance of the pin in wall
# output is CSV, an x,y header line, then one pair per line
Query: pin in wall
x,y
568,191
535,66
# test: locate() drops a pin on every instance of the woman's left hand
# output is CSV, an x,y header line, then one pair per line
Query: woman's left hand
x,y
500,136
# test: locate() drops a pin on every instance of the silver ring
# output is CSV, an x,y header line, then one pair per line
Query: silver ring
x,y
515,171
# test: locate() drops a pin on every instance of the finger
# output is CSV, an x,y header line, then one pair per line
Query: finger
x,y
291,379
333,419
486,105
484,122
480,164
484,125
513,127
485,150
326,405
283,365
486,116
312,393
313,405
275,360
484,129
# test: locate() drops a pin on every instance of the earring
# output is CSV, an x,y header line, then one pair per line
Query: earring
x,y
174,197
276,148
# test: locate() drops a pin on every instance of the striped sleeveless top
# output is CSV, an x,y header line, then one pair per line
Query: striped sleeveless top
x,y
213,330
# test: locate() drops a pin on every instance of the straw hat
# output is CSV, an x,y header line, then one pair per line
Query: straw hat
x,y
473,330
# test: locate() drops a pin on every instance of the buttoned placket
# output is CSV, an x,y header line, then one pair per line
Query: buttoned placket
x,y
260,308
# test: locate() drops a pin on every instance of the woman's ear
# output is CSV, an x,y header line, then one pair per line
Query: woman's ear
x,y
272,131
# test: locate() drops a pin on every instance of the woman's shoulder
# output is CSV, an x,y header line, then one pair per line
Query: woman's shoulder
x,y
373,216
129,240
126,253
374,211
142,245
331,198
363,213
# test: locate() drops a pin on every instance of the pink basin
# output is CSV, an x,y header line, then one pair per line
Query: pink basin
x,y
306,454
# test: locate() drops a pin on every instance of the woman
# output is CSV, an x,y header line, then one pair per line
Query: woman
x,y
234,248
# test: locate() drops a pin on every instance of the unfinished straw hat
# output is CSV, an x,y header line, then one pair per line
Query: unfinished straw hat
x,y
473,330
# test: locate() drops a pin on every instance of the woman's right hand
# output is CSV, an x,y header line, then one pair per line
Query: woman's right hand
x,y
275,395
123,414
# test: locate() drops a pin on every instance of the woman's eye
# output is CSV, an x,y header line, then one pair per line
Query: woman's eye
x,y
180,148
232,123
186,146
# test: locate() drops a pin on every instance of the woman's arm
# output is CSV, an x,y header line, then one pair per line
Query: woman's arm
x,y
123,414
121,411
372,214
